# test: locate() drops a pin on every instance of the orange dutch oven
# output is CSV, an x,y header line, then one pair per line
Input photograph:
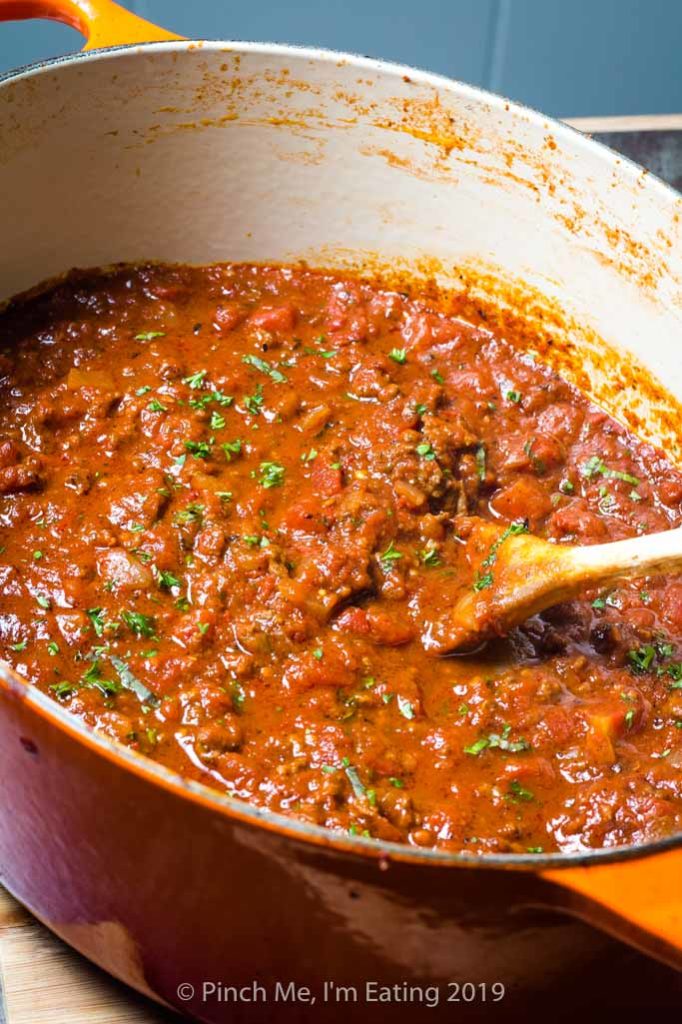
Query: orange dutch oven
x,y
148,146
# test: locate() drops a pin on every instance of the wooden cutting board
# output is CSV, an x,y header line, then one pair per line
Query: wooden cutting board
x,y
42,981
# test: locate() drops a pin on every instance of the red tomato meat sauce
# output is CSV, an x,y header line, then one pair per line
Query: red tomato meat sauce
x,y
233,504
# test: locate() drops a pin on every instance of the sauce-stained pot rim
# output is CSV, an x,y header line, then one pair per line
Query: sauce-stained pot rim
x,y
211,799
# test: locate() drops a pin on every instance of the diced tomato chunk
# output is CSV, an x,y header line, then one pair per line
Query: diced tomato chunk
x,y
327,479
275,319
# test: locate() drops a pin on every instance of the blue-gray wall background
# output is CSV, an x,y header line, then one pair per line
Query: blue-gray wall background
x,y
567,57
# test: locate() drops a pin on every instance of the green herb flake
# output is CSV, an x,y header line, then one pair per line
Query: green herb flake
x,y
513,396
149,335
476,748
265,367
429,556
642,658
389,556
595,466
20,646
405,708
141,625
425,450
231,448
191,514
519,793
63,690
485,580
198,449
398,355
195,380
254,402
167,580
271,475
53,648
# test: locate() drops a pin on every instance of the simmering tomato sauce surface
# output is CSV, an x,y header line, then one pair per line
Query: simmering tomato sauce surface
x,y
234,503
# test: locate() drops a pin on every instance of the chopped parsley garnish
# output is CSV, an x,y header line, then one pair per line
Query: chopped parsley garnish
x,y
425,450
438,377
484,580
144,390
195,380
536,462
595,466
231,448
98,619
389,556
43,601
599,603
62,690
513,396
476,748
167,580
309,456
265,367
499,740
192,514
429,556
141,625
156,406
253,403
642,658
398,355
94,679
20,646
271,474
198,449
566,487
405,708
518,792
217,420
148,335
398,783
37,556
318,654
52,648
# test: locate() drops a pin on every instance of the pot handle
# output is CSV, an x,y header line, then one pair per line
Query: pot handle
x,y
102,22
638,899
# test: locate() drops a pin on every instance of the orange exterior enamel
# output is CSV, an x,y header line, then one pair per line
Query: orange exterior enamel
x,y
644,893
102,22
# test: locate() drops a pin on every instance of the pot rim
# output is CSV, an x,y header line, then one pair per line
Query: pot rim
x,y
206,796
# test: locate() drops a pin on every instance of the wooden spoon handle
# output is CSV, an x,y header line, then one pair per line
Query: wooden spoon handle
x,y
624,559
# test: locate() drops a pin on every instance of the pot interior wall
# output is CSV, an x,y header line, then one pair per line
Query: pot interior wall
x,y
197,153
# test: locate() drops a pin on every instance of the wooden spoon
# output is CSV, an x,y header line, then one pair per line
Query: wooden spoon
x,y
518,575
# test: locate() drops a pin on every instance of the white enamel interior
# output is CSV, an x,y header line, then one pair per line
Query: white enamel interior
x,y
197,153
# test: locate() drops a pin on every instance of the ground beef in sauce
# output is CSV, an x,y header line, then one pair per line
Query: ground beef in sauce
x,y
232,502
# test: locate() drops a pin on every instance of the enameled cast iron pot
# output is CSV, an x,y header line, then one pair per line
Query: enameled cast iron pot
x,y
202,151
